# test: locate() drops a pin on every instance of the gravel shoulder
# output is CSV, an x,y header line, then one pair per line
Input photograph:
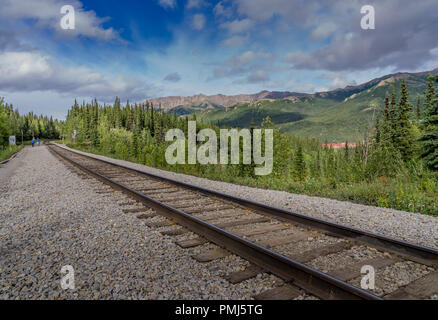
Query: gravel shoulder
x,y
413,227
50,218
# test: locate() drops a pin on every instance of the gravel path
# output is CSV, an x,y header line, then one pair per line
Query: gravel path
x,y
413,227
50,217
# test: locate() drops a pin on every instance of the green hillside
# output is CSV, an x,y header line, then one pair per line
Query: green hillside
x,y
337,115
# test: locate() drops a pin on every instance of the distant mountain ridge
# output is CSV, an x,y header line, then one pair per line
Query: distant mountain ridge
x,y
200,102
220,100
337,115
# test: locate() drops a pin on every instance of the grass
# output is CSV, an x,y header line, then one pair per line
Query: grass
x,y
7,152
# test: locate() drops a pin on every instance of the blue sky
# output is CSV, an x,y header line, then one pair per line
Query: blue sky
x,y
143,49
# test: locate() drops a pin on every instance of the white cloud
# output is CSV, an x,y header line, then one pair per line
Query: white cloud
x,y
324,30
237,26
298,11
338,80
33,71
47,14
306,87
293,56
173,77
198,21
235,41
167,3
255,65
194,4
245,57
258,76
221,11
266,56
402,41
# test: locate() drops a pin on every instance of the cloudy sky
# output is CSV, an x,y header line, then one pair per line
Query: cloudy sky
x,y
142,49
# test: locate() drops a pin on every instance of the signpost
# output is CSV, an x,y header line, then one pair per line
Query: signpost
x,y
12,141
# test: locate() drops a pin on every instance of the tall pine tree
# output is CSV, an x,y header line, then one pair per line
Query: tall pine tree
x,y
418,111
299,164
430,136
403,134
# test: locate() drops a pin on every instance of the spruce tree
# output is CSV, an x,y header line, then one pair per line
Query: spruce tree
x,y
93,124
386,111
418,111
299,164
378,130
430,92
430,136
318,164
152,122
129,116
117,113
403,135
393,115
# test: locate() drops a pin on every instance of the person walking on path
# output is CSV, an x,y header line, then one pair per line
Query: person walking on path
x,y
38,141
33,142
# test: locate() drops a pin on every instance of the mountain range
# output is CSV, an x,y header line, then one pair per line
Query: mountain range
x,y
337,115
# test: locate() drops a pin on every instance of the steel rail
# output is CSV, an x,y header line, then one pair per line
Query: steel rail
x,y
415,252
311,280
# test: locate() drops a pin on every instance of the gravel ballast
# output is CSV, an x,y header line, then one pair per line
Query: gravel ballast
x,y
50,218
413,227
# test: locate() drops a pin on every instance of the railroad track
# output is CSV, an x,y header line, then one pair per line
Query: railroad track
x,y
320,258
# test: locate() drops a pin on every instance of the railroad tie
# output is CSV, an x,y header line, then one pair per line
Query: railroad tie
x,y
241,222
153,188
211,255
135,210
191,242
146,215
103,192
194,206
285,292
422,288
159,224
242,275
163,191
211,209
262,229
125,181
169,201
127,203
283,239
174,232
353,271
309,255
211,216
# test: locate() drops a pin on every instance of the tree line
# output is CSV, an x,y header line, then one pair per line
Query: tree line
x,y
25,126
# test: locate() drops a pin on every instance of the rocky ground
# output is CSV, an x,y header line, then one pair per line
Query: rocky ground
x,y
50,218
